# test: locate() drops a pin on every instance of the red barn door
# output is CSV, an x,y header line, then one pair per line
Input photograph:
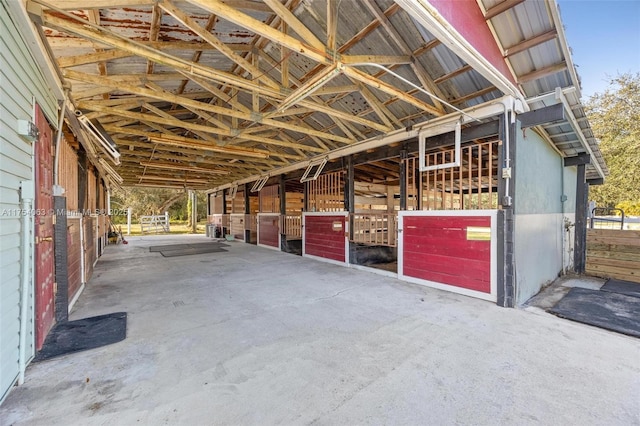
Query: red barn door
x,y
325,236
269,230
453,251
44,262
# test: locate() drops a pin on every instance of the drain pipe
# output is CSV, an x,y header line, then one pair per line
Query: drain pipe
x,y
27,194
57,189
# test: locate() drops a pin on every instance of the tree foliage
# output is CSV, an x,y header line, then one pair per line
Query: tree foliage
x,y
155,201
615,120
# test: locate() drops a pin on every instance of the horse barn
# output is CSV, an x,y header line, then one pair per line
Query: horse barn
x,y
440,142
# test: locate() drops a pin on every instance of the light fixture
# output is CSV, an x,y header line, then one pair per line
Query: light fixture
x,y
184,168
116,177
259,184
99,135
422,146
316,167
171,179
28,130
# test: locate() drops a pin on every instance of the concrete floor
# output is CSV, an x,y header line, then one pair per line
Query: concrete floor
x,y
258,337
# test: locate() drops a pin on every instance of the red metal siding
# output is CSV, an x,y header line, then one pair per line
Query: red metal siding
x,y
467,18
436,248
44,285
269,229
322,240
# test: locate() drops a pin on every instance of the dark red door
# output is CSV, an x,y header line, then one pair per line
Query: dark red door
x,y
269,230
325,236
44,262
443,249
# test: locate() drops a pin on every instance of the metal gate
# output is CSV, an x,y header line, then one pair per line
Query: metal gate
x,y
44,260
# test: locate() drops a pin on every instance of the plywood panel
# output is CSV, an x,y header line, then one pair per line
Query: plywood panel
x,y
613,253
74,257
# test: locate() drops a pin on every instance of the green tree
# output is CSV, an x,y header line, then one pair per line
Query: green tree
x,y
615,120
145,201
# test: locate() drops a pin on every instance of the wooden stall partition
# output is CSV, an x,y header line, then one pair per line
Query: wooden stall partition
x,y
378,229
269,199
89,246
74,256
470,186
68,174
326,194
237,226
613,253
91,190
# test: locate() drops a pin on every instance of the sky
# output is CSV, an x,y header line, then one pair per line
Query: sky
x,y
604,36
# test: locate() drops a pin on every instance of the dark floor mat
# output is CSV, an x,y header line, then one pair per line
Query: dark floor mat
x,y
167,247
188,251
88,333
611,311
622,287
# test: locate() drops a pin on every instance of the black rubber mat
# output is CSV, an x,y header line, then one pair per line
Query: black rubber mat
x,y
191,250
611,311
80,335
622,287
156,249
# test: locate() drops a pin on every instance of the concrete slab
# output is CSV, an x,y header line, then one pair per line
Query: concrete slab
x,y
254,336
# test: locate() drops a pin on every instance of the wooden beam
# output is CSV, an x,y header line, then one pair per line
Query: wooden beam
x,y
332,24
397,38
377,59
529,43
391,90
165,96
139,49
578,160
543,72
214,41
258,27
191,126
462,70
91,58
294,24
154,31
182,167
501,8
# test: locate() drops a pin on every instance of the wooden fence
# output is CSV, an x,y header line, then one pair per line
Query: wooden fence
x,y
613,253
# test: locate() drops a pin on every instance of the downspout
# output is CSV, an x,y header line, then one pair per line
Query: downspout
x,y
57,190
27,195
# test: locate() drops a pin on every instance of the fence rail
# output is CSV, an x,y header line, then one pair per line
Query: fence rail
x,y
613,253
154,224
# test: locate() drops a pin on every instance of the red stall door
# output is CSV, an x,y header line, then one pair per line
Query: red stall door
x,y
44,262
326,236
269,230
451,251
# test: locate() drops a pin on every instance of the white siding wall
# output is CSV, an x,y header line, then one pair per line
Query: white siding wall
x,y
20,83
542,244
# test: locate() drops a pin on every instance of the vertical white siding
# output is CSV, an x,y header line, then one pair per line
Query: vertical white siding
x,y
20,83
